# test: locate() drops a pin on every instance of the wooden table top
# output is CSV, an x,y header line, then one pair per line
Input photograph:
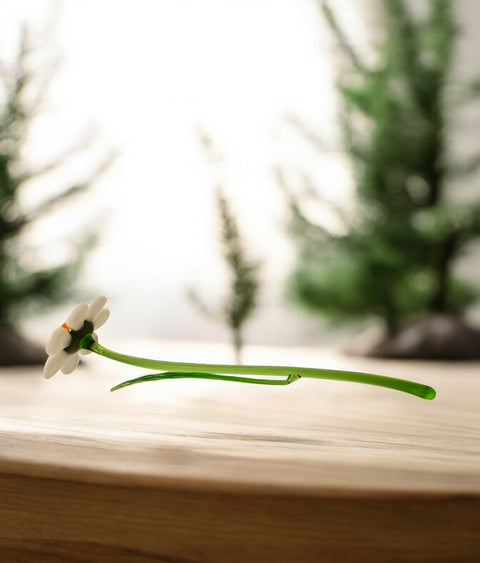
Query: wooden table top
x,y
319,441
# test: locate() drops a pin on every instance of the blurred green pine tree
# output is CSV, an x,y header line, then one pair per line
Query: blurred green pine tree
x,y
241,300
24,286
395,257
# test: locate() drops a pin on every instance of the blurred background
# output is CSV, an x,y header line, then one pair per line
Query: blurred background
x,y
268,85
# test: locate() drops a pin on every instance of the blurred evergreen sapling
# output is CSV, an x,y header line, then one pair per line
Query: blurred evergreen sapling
x,y
241,300
25,287
394,257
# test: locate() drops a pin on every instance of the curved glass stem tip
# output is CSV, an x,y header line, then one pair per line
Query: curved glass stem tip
x,y
227,372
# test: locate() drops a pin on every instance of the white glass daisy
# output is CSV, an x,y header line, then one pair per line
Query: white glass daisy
x,y
63,345
76,336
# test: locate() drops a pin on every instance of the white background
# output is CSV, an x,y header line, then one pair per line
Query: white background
x,y
147,74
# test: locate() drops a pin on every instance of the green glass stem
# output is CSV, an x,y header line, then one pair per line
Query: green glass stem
x,y
187,369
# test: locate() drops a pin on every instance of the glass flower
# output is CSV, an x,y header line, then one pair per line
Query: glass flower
x,y
77,336
63,346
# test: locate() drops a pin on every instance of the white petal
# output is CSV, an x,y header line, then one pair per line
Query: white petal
x,y
100,318
54,363
76,318
84,351
71,363
95,307
59,339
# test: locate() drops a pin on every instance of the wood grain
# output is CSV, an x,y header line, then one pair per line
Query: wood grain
x,y
206,471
